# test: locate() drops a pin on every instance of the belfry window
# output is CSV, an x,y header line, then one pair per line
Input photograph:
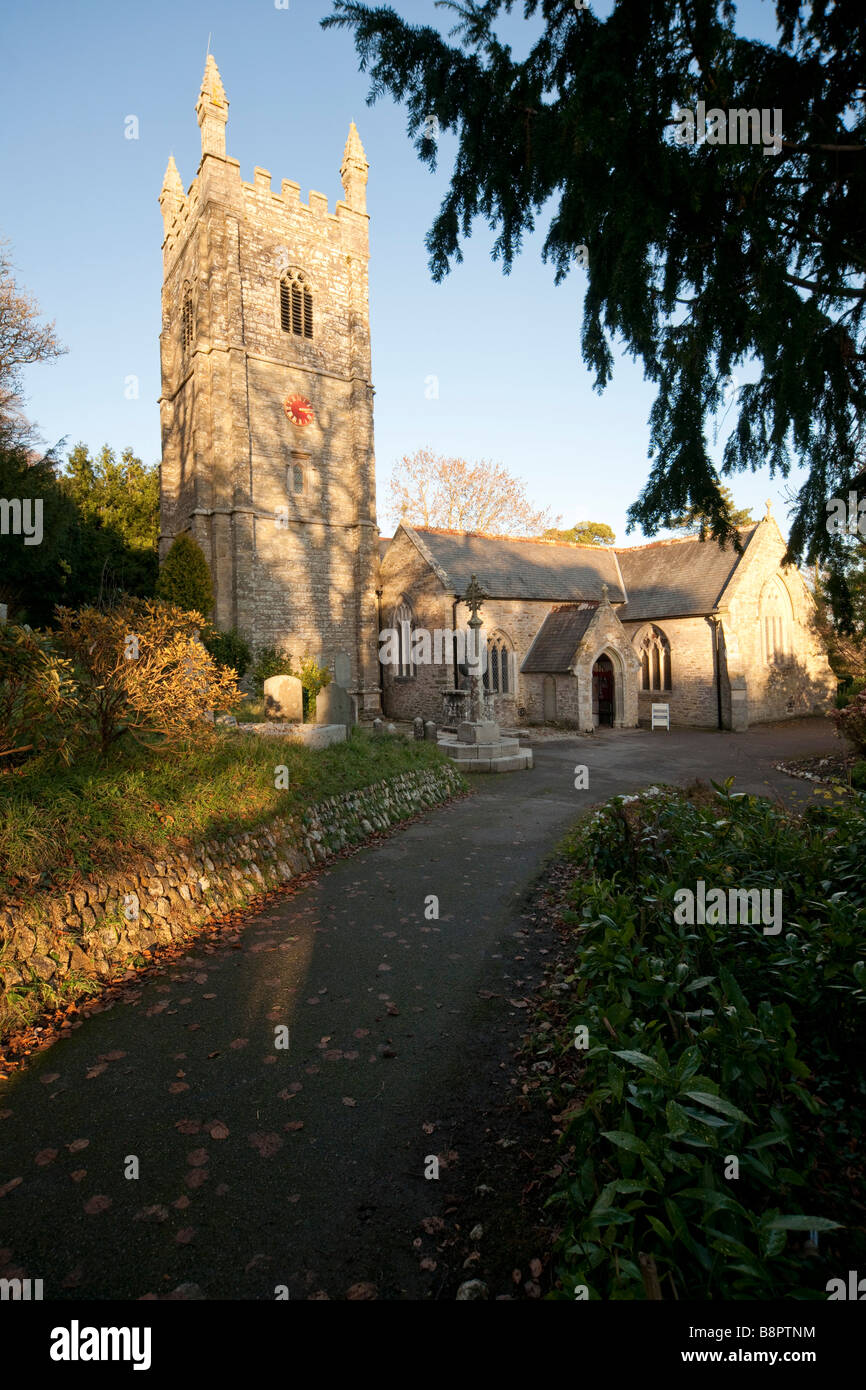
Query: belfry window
x,y
187,326
296,305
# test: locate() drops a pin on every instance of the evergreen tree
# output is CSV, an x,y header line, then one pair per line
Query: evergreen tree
x,y
697,522
184,579
700,255
118,502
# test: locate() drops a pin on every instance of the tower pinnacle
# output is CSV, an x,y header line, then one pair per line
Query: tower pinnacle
x,y
172,195
212,110
354,171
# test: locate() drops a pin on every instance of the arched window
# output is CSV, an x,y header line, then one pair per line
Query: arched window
x,y
497,677
296,304
403,626
187,324
654,651
776,616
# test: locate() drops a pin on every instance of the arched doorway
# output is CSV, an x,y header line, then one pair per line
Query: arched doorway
x,y
603,694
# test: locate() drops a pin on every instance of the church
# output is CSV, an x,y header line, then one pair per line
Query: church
x,y
268,462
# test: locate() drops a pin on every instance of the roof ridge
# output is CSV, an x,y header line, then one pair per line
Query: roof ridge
x,y
675,540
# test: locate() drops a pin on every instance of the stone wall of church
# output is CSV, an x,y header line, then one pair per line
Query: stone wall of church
x,y
692,696
800,682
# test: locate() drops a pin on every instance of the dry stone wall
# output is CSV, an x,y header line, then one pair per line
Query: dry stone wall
x,y
100,925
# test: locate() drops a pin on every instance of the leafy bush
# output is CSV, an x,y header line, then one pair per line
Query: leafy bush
x,y
36,694
851,721
270,661
858,775
713,1042
846,695
141,670
184,579
229,649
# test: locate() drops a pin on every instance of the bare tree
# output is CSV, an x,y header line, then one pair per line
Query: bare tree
x,y
24,340
430,490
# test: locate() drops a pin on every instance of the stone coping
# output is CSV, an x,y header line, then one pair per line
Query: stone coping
x,y
102,924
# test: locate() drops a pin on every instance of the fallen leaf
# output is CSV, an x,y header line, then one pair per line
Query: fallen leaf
x,y
361,1033
432,1225
332,1056
347,1100
428,1265
267,1144
157,1213
46,1081
366,1291
196,1177
239,1043
184,1236
96,1204
197,1157
77,1145
294,1124
78,1175
97,1070
177,1086
45,1156
218,1130
111,1056
8,1186
182,1203
187,1126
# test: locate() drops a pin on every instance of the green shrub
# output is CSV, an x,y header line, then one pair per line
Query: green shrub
x,y
270,661
858,775
709,1041
229,649
846,695
184,579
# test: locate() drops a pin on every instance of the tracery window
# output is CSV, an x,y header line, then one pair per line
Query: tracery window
x,y
497,679
776,615
403,625
654,651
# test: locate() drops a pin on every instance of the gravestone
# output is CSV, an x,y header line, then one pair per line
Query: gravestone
x,y
430,731
342,670
378,726
334,706
418,726
284,699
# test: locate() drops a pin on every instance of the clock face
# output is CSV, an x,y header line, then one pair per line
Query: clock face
x,y
299,410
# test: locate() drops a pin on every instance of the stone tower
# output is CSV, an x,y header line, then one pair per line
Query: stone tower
x,y
267,402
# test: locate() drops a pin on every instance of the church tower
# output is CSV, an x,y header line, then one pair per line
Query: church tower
x,y
267,402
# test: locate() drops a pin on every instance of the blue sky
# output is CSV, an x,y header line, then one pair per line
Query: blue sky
x,y
80,209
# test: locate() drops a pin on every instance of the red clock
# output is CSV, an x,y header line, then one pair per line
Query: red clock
x,y
299,410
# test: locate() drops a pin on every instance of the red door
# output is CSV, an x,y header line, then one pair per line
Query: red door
x,y
602,691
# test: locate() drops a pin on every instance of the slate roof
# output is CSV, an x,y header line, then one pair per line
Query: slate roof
x,y
666,579
556,643
508,568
